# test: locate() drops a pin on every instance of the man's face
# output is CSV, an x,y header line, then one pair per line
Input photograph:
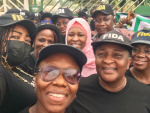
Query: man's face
x,y
104,23
112,61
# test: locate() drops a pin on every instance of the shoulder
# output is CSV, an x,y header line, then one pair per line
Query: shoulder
x,y
26,110
138,86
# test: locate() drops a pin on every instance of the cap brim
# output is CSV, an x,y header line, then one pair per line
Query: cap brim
x,y
48,26
141,42
46,15
29,25
78,55
97,43
55,17
99,11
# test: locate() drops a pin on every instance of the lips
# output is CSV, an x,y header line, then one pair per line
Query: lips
x,y
109,70
140,62
76,45
57,97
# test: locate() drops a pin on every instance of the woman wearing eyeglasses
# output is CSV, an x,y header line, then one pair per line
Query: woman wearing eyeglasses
x,y
78,35
57,74
46,34
140,57
46,18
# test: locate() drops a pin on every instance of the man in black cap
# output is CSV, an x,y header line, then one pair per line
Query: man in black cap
x,y
110,91
61,19
35,17
104,20
83,14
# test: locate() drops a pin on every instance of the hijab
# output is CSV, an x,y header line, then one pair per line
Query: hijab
x,y
89,68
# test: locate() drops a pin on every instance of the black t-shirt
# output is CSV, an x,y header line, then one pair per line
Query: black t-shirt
x,y
29,65
62,39
129,74
92,98
15,93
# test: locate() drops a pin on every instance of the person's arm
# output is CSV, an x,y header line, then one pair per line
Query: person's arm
x,y
120,23
2,88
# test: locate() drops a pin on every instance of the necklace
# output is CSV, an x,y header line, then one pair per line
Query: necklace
x,y
17,75
26,81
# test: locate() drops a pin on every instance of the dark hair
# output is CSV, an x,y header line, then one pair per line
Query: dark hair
x,y
4,35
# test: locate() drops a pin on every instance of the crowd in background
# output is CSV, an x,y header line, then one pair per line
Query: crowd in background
x,y
58,63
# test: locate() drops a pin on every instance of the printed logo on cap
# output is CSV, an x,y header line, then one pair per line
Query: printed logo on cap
x,y
102,7
113,36
60,11
143,34
17,17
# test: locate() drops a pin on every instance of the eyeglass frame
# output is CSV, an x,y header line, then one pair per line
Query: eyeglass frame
x,y
60,70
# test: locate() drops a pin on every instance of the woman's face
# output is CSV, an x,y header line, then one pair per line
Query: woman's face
x,y
56,95
76,38
20,33
141,56
43,38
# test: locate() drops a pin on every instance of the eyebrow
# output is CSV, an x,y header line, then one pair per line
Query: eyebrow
x,y
17,32
20,33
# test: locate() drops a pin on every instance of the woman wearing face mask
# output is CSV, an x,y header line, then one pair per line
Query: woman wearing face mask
x,y
78,35
46,34
16,88
140,57
57,74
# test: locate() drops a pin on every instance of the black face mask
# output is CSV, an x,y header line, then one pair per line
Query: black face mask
x,y
18,52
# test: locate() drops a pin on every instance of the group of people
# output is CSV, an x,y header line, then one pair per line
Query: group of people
x,y
55,65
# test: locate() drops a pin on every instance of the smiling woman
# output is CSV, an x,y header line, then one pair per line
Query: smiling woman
x,y
46,34
78,35
56,80
140,57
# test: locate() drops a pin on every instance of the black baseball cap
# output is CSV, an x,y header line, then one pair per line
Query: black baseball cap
x,y
142,36
78,55
82,13
13,10
46,14
41,26
104,8
35,16
12,19
113,37
62,12
25,13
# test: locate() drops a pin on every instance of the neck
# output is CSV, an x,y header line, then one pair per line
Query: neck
x,y
141,75
38,108
113,87
35,54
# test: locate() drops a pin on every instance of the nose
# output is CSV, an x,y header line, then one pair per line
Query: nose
x,y
60,81
45,44
75,38
101,23
140,54
108,60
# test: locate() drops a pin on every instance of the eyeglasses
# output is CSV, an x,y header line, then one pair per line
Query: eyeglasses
x,y
64,24
98,21
49,73
45,21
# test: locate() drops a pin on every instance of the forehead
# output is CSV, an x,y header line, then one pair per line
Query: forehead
x,y
141,45
59,19
110,46
100,15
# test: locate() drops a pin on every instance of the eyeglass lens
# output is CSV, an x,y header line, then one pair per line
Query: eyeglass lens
x,y
50,73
